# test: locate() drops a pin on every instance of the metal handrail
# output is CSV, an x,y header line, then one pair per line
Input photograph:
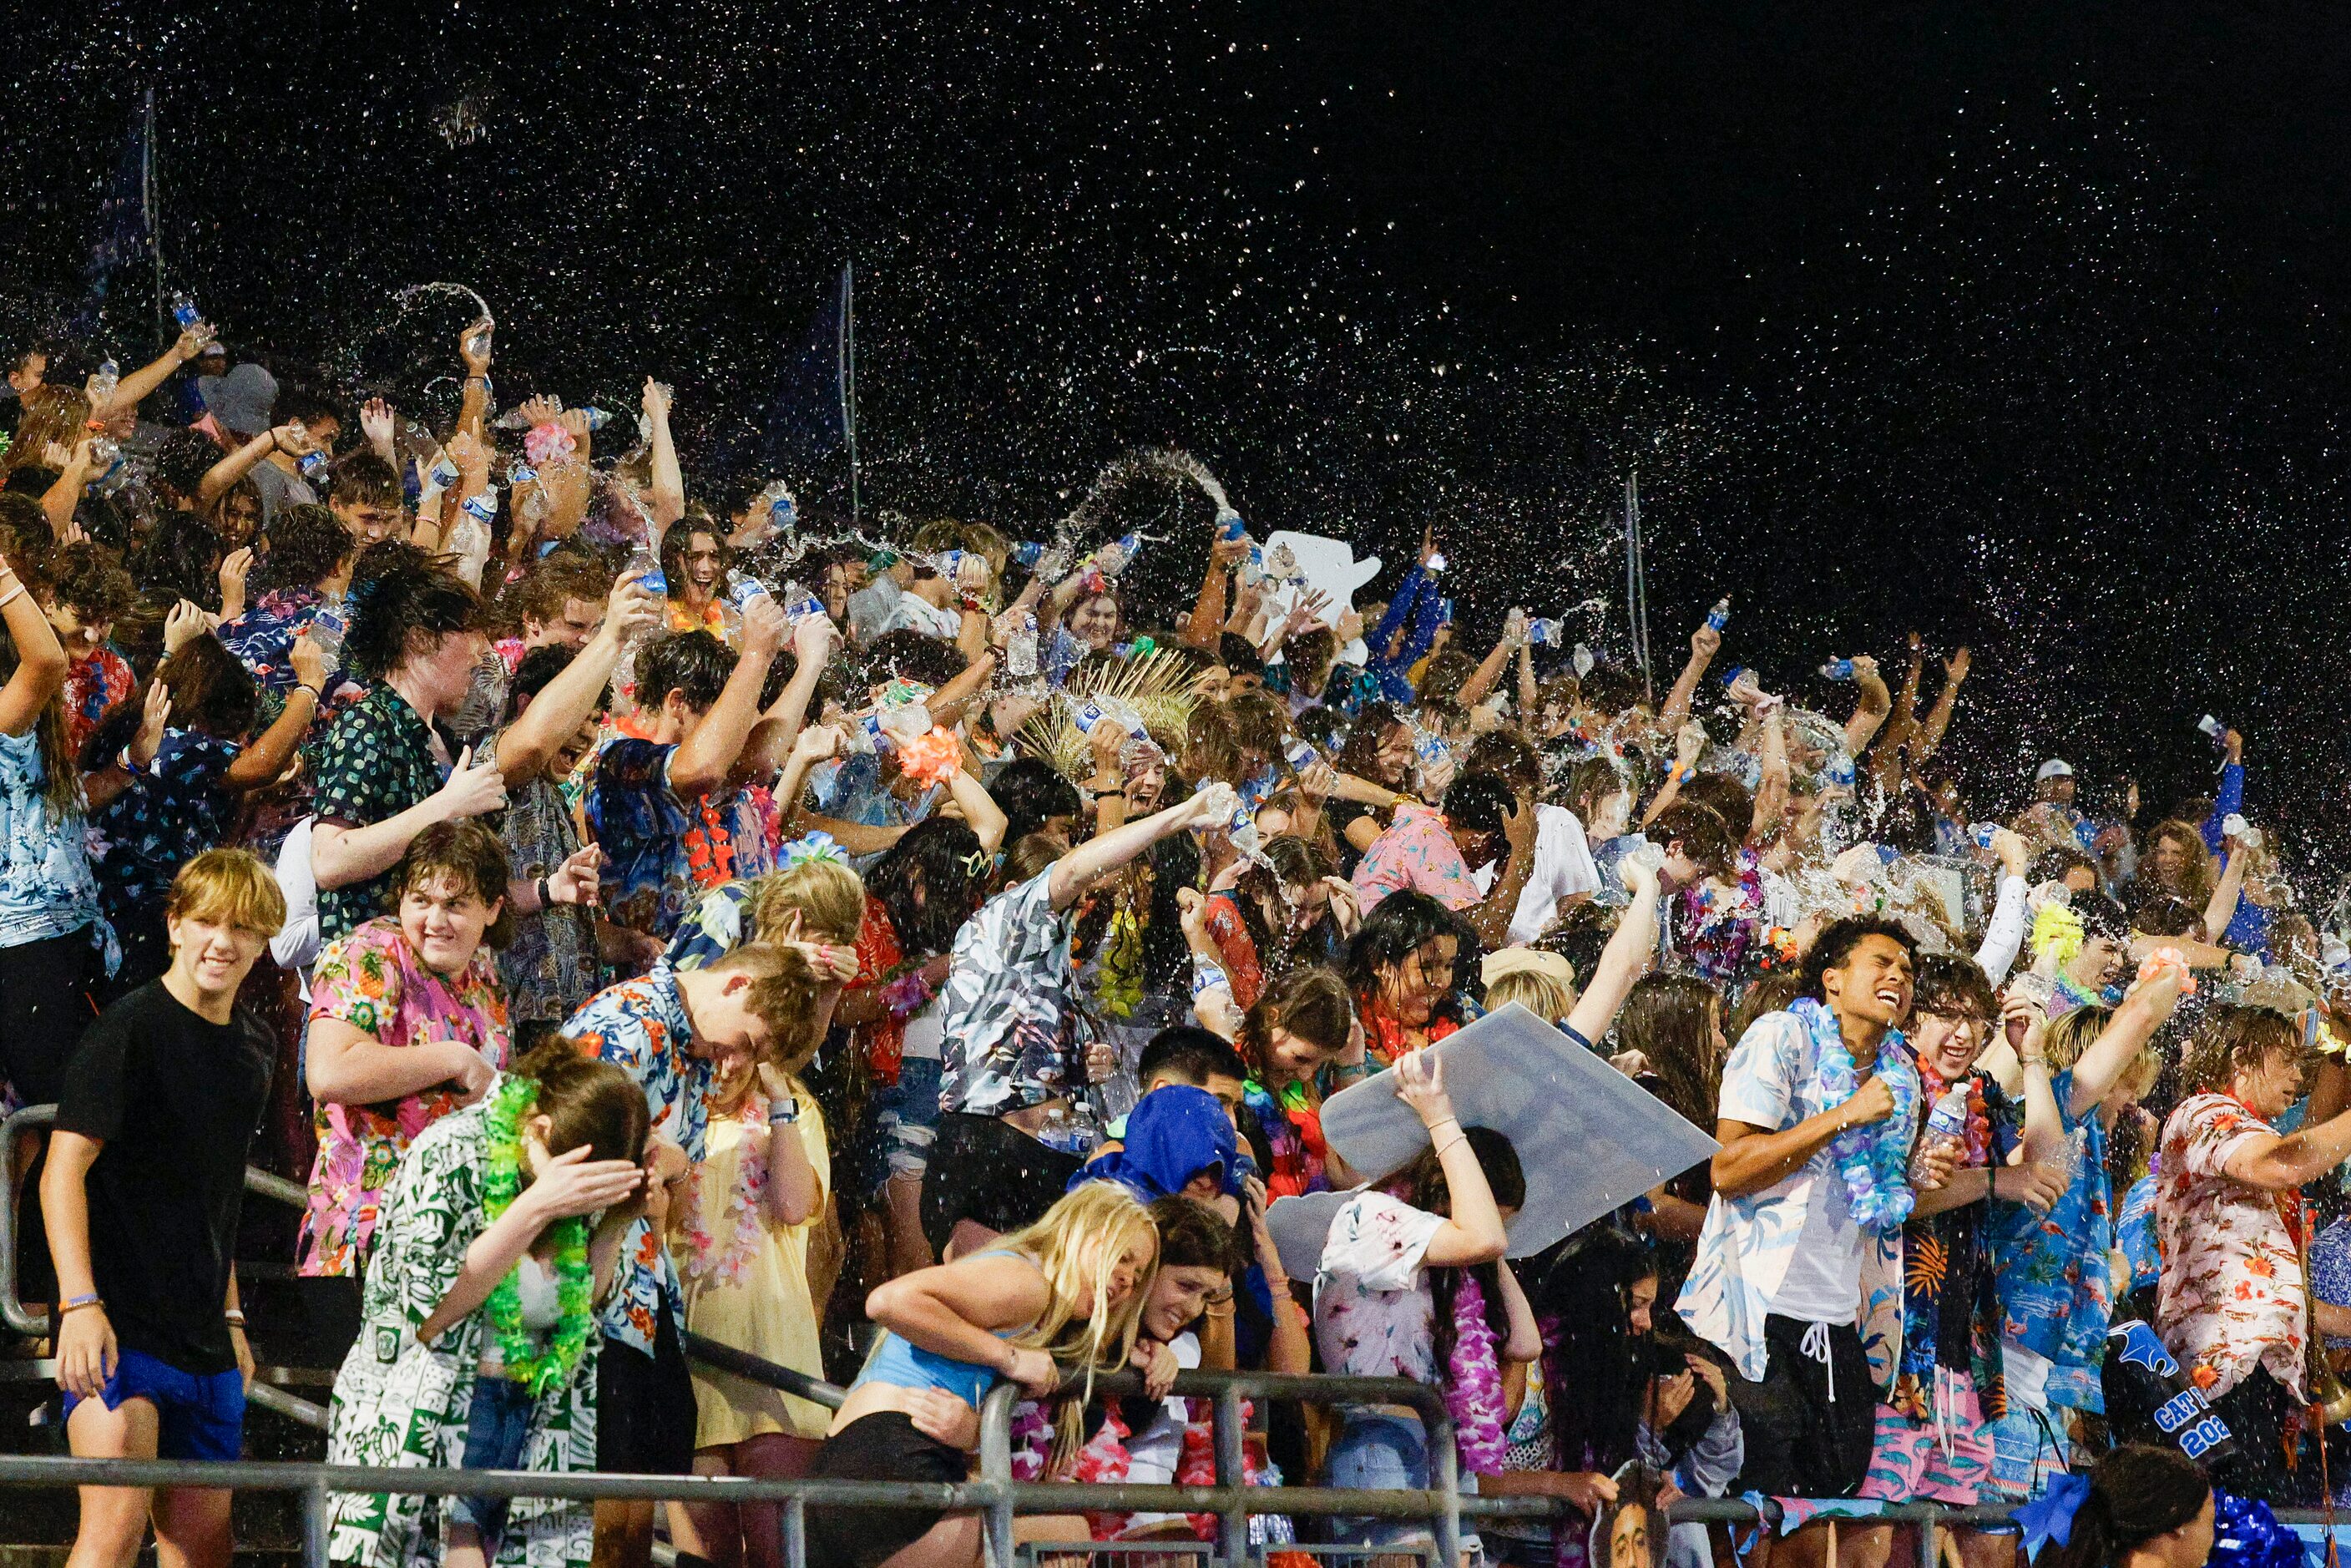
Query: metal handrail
x,y
1230,1499
15,1315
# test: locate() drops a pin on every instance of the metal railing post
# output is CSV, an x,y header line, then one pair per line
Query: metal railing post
x,y
795,1533
1232,1470
1928,1557
1445,1469
996,1466
20,1126
317,1512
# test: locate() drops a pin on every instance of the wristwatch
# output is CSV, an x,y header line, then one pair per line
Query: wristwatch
x,y
785,1110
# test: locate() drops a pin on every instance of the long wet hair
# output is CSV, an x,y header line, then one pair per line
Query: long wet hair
x,y
1596,1369
1075,1246
930,882
1667,1019
1391,934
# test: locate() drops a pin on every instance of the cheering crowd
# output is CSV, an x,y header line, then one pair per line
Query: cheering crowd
x,y
634,909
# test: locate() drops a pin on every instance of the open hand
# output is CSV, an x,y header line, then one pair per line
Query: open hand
x,y
570,1184
154,716
574,882
183,625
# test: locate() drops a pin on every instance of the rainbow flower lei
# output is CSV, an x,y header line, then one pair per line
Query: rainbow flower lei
x,y
519,1350
747,1206
1874,1157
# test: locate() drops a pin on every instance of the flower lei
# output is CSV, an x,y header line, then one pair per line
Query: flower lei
x,y
1473,1393
816,846
518,1353
1874,1157
743,1220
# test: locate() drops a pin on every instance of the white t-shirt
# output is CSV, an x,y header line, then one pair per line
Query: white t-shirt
x,y
1822,1284
1153,1454
1563,867
923,1033
1372,1312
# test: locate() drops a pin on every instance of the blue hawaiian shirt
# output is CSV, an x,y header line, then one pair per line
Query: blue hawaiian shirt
x,y
2054,1294
45,886
640,1027
173,810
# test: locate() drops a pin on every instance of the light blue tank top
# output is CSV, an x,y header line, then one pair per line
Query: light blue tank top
x,y
903,1365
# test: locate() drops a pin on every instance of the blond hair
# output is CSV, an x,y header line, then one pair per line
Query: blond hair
x,y
1076,1245
826,894
228,887
1532,990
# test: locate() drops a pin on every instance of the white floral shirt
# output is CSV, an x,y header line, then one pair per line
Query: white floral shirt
x,y
1374,1315
2231,1296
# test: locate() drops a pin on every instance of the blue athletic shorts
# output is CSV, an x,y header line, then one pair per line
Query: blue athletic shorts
x,y
203,1412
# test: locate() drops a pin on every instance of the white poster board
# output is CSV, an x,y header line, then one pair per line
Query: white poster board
x,y
1325,564
1588,1137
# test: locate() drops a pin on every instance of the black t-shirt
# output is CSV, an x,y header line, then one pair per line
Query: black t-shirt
x,y
175,1100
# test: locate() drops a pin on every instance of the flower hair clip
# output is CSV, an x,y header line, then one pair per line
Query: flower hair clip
x,y
817,846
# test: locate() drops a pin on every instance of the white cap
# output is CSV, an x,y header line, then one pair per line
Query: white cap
x,y
2056,767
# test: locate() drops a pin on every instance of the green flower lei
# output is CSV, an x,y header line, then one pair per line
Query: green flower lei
x,y
574,1286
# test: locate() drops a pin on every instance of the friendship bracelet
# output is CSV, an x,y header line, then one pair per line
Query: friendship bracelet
x,y
546,899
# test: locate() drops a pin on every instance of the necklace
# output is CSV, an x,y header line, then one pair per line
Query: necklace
x,y
1874,1156
519,1353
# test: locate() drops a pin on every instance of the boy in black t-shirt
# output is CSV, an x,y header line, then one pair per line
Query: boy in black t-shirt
x,y
145,1175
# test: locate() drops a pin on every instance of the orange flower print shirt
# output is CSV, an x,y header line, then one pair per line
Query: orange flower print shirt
x,y
2231,1296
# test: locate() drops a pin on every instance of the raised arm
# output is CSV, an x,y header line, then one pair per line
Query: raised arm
x,y
2134,1023
980,812
342,855
1705,643
1489,669
258,766
1491,918
1625,958
1876,704
782,723
1207,618
1771,796
1938,718
665,493
474,403
2230,794
132,389
2221,907
1472,1233
221,477
40,670
1098,856
555,713
64,494
705,758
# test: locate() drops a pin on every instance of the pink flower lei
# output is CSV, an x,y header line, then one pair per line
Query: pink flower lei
x,y
745,1213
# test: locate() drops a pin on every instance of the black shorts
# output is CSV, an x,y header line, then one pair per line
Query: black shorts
x,y
992,1174
883,1447
2260,1411
1799,1441
644,1407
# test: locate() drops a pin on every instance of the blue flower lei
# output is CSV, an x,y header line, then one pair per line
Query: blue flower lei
x,y
1874,1157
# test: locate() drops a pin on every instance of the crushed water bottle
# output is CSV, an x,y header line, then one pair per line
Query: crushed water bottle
x,y
596,418
1838,670
1021,648
743,589
1437,563
1983,833
102,382
1545,633
1514,625
328,627
314,466
478,339
1720,616
1230,527
1026,553
646,564
1945,1128
185,312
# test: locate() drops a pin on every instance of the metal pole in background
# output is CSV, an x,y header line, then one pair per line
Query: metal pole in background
x,y
1636,584
847,373
154,229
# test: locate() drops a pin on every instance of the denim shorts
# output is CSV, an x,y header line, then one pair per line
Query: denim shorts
x,y
496,1428
1379,1452
906,1115
201,1414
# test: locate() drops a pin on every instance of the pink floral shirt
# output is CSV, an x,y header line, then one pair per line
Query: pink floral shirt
x,y
373,981
1418,851
1374,1315
2231,1295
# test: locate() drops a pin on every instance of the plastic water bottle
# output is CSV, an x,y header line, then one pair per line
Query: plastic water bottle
x,y
1838,670
1840,771
1437,563
1545,633
1026,553
646,564
799,603
783,510
477,341
1947,1127
314,466
102,383
328,626
1731,676
1983,833
185,312
1720,616
1230,527
742,588
1021,648
597,418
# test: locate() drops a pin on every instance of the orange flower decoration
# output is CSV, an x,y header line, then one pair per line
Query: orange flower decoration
x,y
931,759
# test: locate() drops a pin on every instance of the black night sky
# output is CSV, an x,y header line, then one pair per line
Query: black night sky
x,y
2018,325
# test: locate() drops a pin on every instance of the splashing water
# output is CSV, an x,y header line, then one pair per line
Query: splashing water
x,y
404,299
1126,468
